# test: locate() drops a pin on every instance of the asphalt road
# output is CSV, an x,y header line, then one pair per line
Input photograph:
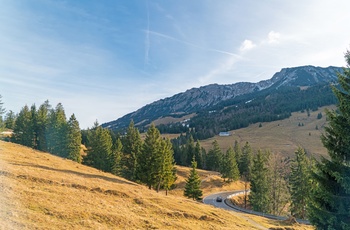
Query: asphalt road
x,y
211,199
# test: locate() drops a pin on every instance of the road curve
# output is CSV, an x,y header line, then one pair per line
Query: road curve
x,y
227,205
211,200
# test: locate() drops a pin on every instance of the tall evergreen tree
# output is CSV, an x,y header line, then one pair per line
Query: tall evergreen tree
x,y
198,155
73,140
42,125
132,146
99,149
33,126
229,166
193,184
245,162
116,157
259,187
300,183
150,163
329,207
10,119
23,133
168,173
56,133
238,152
214,157
190,150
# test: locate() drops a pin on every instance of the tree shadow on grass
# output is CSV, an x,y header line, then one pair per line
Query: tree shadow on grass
x,y
86,175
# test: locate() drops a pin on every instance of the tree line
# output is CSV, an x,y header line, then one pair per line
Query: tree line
x,y
150,162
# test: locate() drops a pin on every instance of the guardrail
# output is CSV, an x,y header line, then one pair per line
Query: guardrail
x,y
230,204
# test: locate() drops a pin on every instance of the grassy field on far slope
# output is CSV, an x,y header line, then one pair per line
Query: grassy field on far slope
x,y
280,136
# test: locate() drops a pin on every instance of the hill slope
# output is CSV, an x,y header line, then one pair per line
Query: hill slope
x,y
41,191
283,136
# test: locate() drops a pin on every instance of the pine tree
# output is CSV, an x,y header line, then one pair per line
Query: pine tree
x,y
99,149
42,125
56,132
23,133
238,152
190,150
73,140
33,126
168,174
214,157
259,184
150,164
193,184
198,155
116,156
300,183
329,207
10,119
229,166
132,146
245,162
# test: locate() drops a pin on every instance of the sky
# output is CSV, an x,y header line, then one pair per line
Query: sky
x,y
104,59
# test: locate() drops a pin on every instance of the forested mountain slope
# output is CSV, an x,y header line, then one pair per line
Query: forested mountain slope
x,y
224,107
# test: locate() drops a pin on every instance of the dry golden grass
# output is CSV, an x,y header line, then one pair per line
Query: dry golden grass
x,y
42,191
280,136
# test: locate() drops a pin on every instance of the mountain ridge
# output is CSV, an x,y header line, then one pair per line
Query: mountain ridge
x,y
197,99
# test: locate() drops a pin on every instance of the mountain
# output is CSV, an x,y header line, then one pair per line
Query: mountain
x,y
203,98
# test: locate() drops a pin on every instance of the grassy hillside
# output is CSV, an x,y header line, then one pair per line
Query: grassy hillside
x,y
42,191
280,136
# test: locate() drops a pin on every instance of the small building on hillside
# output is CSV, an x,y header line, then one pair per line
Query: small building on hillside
x,y
224,134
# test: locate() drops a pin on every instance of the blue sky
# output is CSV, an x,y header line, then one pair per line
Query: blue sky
x,y
104,59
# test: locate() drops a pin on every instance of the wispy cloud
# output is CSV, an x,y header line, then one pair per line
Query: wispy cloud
x,y
192,44
147,41
247,45
273,37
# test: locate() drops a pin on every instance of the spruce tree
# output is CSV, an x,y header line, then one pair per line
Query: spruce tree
x,y
150,163
132,146
42,125
73,140
168,174
56,132
116,156
230,169
190,150
10,119
193,184
259,183
245,162
198,155
99,149
329,207
214,157
23,133
300,183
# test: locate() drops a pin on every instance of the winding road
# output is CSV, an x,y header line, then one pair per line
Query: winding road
x,y
227,205
211,200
